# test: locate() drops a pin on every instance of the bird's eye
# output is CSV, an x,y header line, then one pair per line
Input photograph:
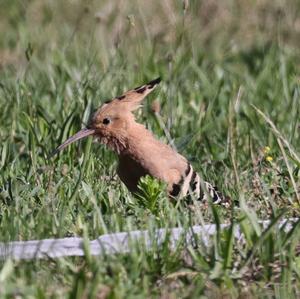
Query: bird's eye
x,y
106,121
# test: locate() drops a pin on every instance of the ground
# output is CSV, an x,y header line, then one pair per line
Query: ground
x,y
229,100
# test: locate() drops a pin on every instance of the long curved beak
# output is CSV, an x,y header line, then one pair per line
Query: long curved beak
x,y
79,135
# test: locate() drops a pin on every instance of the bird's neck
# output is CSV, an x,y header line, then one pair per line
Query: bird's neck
x,y
139,141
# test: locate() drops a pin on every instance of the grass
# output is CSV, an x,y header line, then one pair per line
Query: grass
x,y
229,99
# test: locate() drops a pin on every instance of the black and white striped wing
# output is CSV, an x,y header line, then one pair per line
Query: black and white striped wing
x,y
190,184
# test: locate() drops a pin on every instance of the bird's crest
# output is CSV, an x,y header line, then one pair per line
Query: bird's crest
x,y
132,99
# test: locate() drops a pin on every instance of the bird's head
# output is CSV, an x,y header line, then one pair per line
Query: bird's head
x,y
111,122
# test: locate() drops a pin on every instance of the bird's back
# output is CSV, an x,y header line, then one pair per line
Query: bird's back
x,y
147,155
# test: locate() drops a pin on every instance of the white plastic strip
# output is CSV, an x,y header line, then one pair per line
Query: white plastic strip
x,y
113,243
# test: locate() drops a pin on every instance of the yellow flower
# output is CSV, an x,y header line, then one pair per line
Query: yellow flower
x,y
267,149
269,158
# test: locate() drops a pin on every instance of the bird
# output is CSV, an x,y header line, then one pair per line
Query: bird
x,y
139,152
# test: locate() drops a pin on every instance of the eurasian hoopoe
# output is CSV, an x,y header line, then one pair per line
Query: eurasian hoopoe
x,y
139,152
